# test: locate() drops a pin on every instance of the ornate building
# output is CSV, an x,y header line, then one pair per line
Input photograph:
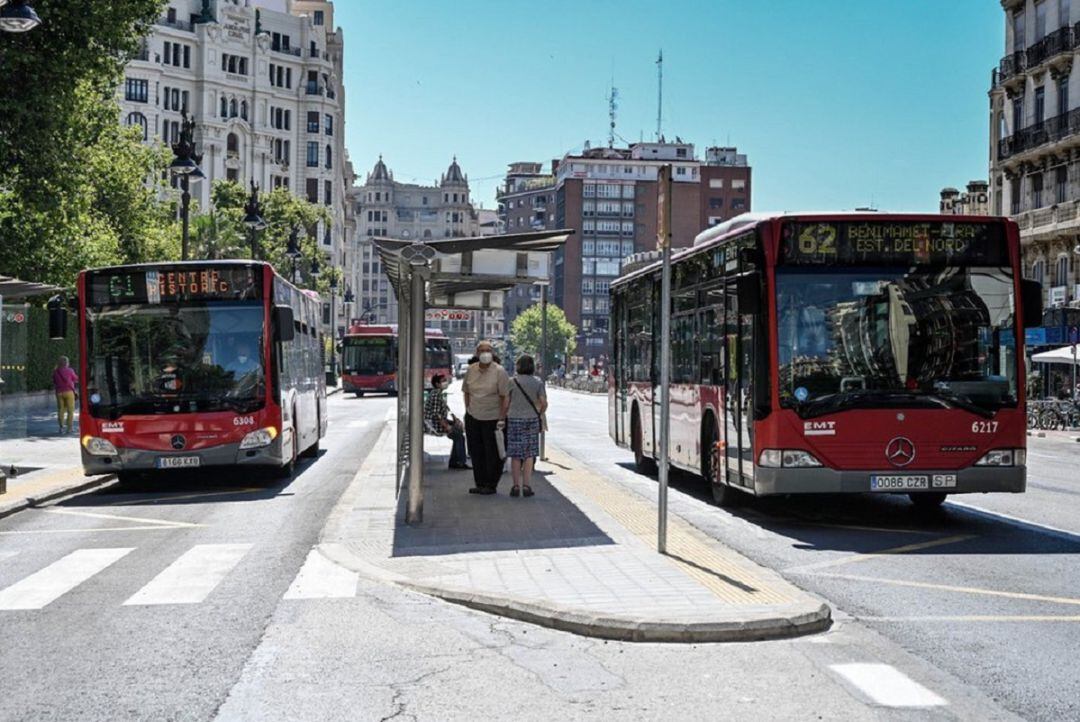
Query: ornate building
x,y
1035,140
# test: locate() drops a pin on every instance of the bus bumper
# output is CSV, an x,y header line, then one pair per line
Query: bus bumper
x,y
145,460
831,481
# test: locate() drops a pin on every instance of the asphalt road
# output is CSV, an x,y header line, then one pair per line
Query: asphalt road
x,y
985,590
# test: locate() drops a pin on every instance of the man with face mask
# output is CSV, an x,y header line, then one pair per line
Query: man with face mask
x,y
243,362
486,388
437,414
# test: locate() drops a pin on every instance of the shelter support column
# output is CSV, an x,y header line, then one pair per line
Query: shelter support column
x,y
415,510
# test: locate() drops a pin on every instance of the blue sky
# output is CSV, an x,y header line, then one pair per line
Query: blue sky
x,y
837,103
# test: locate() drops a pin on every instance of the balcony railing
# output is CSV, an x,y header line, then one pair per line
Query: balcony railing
x,y
178,24
295,52
314,89
1060,41
1048,131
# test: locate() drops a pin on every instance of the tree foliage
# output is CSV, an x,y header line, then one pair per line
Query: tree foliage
x,y
526,331
76,188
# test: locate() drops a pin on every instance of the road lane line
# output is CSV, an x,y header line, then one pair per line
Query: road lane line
x,y
89,530
962,590
852,558
49,584
191,578
117,517
1017,521
887,686
979,618
168,498
320,578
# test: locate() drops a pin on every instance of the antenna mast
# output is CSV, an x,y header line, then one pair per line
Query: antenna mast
x,y
613,106
660,94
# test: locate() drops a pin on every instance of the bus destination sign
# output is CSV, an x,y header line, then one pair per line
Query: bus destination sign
x,y
894,243
171,285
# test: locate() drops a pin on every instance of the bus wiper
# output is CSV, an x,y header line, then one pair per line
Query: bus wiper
x,y
830,403
957,401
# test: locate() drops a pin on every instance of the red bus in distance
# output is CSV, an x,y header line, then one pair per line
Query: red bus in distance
x,y
198,364
830,353
370,357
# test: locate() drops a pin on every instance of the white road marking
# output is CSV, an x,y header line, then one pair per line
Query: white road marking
x,y
321,578
191,578
358,424
52,582
137,519
1024,524
887,686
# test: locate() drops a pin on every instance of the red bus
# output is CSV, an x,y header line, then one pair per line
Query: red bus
x,y
197,364
833,353
370,356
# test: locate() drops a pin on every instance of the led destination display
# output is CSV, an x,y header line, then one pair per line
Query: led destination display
x,y
894,243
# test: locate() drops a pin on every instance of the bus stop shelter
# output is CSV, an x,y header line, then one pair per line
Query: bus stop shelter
x,y
457,273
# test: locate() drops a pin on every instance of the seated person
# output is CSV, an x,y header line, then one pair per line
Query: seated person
x,y
438,417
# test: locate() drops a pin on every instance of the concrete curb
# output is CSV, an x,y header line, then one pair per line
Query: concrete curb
x,y
745,625
9,508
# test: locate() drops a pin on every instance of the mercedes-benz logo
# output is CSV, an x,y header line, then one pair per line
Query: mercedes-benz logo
x,y
900,451
178,442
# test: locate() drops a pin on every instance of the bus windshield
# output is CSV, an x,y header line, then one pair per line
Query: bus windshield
x,y
172,358
878,337
369,356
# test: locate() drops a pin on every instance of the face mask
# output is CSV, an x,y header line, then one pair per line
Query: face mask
x,y
242,359
485,357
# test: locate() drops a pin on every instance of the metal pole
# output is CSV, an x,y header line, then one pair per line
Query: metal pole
x,y
333,331
665,398
254,255
185,207
543,359
402,386
1074,373
415,513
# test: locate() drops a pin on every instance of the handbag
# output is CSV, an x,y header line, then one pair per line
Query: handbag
x,y
543,419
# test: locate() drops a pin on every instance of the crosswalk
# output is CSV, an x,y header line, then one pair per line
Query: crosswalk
x,y
190,578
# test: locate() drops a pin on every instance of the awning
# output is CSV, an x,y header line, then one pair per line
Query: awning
x,y
13,289
1063,355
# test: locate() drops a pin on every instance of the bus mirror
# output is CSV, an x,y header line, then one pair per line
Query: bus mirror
x,y
284,324
748,289
58,318
1031,298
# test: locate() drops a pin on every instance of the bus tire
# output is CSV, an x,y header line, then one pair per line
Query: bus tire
x,y
712,461
359,394
928,501
644,464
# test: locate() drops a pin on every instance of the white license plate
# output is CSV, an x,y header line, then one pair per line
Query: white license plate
x,y
899,483
178,462
943,481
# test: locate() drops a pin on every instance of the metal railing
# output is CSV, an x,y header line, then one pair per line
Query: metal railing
x,y
1060,41
295,52
178,24
1036,134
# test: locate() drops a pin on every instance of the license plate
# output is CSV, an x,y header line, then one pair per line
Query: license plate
x,y
178,462
899,483
943,481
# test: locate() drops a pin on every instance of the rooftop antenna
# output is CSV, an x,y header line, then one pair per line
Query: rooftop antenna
x,y
660,94
613,106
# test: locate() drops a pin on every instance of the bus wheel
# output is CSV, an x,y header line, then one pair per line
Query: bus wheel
x,y
359,394
713,464
928,501
644,464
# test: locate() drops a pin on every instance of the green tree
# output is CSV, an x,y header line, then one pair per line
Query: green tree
x,y
526,330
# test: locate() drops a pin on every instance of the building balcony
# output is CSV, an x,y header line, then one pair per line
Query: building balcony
x,y
178,24
295,52
1050,130
1054,49
314,89
1057,42
1049,222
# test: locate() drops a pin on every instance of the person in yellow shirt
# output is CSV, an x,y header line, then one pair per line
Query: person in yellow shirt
x,y
486,388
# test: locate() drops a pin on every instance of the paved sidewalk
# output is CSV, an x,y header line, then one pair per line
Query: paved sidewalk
x,y
579,556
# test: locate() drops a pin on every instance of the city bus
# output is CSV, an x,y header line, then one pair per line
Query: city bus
x,y
198,364
817,353
370,355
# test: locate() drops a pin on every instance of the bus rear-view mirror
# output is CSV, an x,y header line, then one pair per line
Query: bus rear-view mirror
x,y
58,318
284,324
1031,299
748,288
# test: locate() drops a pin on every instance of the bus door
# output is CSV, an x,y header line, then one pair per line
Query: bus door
x,y
738,403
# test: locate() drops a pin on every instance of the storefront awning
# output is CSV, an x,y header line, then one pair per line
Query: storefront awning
x,y
1064,355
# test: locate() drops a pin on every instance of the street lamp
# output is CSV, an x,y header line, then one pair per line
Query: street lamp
x,y
18,17
293,251
186,165
348,301
254,220
333,322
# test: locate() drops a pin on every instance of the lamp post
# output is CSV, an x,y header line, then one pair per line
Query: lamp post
x,y
348,300
186,165
293,251
254,220
333,323
17,16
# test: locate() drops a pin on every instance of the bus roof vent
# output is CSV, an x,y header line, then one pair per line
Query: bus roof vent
x,y
639,260
727,226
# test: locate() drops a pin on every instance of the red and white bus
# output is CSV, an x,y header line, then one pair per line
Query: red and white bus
x,y
197,364
833,353
370,356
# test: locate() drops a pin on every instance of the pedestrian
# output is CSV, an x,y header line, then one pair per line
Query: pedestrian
x,y
437,414
524,422
65,381
486,386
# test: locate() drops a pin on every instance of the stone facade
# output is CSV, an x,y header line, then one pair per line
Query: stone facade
x,y
1034,134
974,202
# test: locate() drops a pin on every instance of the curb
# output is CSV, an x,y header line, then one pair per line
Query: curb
x,y
76,488
778,622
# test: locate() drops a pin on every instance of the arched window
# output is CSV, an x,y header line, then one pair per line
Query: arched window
x,y
1061,271
233,143
243,110
232,108
329,157
1002,130
1037,271
224,107
140,120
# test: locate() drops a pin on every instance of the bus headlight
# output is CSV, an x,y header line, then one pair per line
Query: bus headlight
x,y
259,438
1003,457
98,447
788,459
